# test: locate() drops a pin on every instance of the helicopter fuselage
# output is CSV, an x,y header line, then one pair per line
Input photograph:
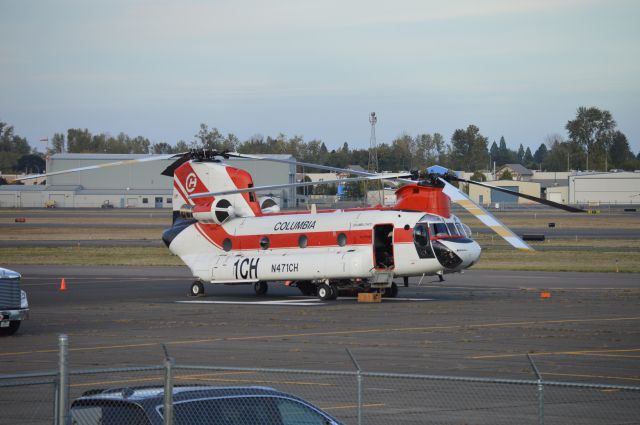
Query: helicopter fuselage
x,y
327,245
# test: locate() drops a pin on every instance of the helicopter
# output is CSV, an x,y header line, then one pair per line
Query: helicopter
x,y
228,235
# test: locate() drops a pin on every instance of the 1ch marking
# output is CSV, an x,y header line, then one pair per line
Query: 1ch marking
x,y
247,268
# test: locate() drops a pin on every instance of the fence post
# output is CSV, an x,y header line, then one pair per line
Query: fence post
x,y
62,400
168,390
540,391
359,379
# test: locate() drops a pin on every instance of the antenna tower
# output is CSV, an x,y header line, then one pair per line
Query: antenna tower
x,y
373,148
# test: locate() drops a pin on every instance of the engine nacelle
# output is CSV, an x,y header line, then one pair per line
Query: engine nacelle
x,y
268,204
218,212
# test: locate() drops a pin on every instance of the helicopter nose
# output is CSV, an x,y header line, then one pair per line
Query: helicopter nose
x,y
466,253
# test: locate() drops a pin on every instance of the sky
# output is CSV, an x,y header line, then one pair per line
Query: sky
x,y
158,69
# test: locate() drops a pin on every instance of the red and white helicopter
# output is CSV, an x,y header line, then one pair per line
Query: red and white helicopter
x,y
225,234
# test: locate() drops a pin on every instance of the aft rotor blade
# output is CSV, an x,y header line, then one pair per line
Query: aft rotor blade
x,y
302,164
97,166
484,216
523,195
301,184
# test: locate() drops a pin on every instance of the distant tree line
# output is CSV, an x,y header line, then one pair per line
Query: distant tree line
x,y
593,142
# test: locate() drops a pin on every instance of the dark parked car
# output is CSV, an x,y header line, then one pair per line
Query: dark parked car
x,y
196,405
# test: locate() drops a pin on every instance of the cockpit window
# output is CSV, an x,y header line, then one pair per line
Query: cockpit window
x,y
452,229
461,230
421,235
439,229
422,241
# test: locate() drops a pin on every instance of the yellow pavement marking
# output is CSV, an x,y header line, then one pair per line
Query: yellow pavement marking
x,y
156,378
561,353
353,406
203,377
576,375
334,333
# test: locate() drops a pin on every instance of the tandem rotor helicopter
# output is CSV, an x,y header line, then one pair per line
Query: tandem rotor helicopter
x,y
225,234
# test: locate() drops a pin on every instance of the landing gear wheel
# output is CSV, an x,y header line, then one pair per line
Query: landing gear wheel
x,y
334,291
441,277
324,292
14,325
197,289
261,288
392,291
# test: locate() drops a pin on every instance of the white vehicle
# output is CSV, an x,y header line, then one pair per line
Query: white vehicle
x,y
14,306
225,234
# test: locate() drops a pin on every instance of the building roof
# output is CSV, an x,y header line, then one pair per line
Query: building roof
x,y
22,188
518,168
551,182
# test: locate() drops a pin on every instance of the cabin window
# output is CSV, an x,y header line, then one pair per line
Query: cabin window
x,y
421,235
145,200
227,244
342,239
252,195
264,242
439,230
303,241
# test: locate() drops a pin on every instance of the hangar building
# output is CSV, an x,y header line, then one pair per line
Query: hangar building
x,y
138,185
614,188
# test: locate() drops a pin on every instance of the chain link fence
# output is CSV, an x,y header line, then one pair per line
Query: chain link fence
x,y
181,394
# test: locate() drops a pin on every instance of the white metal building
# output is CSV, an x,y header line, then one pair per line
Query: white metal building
x,y
615,188
139,185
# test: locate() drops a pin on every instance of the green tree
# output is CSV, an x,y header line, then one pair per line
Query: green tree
x,y
31,164
520,156
57,143
541,154
591,126
506,175
620,153
161,148
209,139
494,152
79,141
403,148
12,147
469,149
181,146
528,159
478,176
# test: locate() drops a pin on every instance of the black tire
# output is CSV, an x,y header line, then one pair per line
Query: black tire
x,y
14,325
324,292
392,291
334,291
197,289
261,288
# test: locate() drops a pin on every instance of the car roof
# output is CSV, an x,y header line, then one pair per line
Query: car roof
x,y
180,393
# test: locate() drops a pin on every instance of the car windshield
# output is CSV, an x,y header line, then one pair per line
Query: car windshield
x,y
108,412
246,411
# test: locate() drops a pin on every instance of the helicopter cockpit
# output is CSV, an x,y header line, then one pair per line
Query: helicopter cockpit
x,y
448,240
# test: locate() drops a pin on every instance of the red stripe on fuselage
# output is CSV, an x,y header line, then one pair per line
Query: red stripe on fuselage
x,y
216,234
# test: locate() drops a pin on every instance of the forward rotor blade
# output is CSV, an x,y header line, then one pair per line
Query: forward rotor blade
x,y
109,164
484,216
523,195
301,184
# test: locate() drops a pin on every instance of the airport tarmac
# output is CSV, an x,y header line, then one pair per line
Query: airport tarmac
x,y
480,323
